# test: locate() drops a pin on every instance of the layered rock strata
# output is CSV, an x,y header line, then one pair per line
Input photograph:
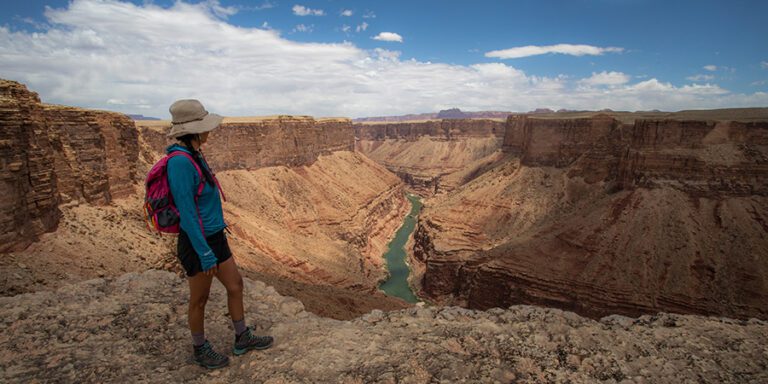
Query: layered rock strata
x,y
425,153
257,142
53,154
28,195
133,328
95,153
599,216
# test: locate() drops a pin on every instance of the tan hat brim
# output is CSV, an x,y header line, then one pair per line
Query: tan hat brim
x,y
208,123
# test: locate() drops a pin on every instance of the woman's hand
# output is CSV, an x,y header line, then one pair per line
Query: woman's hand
x,y
212,271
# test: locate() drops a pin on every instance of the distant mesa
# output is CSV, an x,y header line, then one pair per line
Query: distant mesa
x,y
541,110
453,113
142,117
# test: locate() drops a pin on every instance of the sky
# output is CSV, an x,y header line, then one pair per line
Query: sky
x,y
379,58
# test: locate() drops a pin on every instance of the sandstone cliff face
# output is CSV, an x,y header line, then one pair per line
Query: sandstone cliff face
x,y
426,154
251,143
95,153
28,195
599,217
54,154
133,328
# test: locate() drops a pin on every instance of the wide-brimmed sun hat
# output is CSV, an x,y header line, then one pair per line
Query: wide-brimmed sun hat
x,y
190,117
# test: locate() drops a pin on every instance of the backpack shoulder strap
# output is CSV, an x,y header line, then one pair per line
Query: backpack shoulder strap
x,y
197,167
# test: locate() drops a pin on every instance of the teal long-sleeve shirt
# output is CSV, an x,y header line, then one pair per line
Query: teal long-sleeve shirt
x,y
184,181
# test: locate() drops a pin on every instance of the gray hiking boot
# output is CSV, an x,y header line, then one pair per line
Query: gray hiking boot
x,y
248,341
208,358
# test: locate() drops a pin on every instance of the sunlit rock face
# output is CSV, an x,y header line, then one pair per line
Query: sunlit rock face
x,y
432,156
600,215
52,154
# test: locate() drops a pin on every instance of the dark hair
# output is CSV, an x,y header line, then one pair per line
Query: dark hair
x,y
197,155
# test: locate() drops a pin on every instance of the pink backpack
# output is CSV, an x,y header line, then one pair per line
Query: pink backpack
x,y
160,212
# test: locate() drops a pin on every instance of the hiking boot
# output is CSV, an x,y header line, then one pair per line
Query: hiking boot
x,y
208,358
248,341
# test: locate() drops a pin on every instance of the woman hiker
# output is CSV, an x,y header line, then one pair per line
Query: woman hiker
x,y
202,246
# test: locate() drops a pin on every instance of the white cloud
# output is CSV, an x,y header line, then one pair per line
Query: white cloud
x,y
388,36
369,15
265,5
362,27
300,10
764,64
606,78
385,54
700,77
710,67
565,49
346,28
346,12
304,28
120,56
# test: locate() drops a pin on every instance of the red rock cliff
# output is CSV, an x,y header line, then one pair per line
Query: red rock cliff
x,y
250,143
53,154
28,194
598,216
432,156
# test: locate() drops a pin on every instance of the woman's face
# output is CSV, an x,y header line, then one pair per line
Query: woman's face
x,y
204,137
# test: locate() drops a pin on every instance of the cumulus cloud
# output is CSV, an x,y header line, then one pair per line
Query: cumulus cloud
x,y
125,57
700,77
362,27
300,10
710,67
346,12
606,78
388,36
565,49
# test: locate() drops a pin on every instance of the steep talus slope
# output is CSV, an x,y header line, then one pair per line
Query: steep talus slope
x,y
601,217
426,154
133,329
327,223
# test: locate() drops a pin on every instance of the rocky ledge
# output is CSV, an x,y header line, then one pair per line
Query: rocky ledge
x,y
133,329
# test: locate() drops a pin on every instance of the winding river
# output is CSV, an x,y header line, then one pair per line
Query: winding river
x,y
397,284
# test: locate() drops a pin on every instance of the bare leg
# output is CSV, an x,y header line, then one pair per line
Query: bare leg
x,y
230,277
199,288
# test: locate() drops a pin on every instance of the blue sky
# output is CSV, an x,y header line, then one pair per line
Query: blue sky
x,y
365,58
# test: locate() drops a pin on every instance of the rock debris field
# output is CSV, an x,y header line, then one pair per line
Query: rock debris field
x,y
133,329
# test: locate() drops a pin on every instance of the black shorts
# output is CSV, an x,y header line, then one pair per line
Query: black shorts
x,y
188,257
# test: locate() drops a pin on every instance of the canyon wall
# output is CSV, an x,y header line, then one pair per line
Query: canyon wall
x,y
425,154
53,154
256,142
28,195
601,216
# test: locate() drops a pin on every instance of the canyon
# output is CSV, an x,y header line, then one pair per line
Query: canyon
x,y
608,213
301,216
604,221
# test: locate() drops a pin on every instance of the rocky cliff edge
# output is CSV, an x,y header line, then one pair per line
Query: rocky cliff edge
x,y
133,329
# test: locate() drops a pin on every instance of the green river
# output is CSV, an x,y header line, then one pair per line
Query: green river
x,y
397,284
